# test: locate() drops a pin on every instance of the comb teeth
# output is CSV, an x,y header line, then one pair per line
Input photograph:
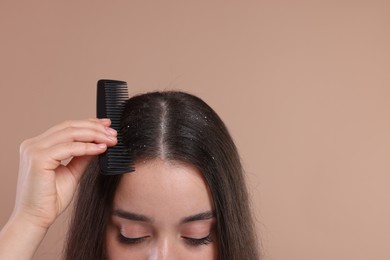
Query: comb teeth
x,y
111,97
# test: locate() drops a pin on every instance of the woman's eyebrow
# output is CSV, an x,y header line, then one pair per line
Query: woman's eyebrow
x,y
200,216
138,217
131,216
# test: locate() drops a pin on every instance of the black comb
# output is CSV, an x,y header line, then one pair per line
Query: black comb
x,y
111,97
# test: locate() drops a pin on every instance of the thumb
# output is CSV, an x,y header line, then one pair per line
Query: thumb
x,y
78,165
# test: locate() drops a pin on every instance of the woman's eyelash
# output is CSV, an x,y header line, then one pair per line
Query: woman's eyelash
x,y
191,241
198,241
130,240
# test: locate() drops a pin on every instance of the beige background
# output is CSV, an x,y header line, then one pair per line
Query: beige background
x,y
303,86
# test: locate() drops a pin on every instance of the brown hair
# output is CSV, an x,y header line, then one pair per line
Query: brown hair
x,y
173,126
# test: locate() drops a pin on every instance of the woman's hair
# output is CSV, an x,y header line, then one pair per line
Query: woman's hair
x,y
173,126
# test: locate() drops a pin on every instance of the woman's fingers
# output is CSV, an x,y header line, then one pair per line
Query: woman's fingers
x,y
91,123
78,134
67,140
65,151
91,130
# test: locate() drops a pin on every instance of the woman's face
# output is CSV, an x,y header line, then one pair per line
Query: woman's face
x,y
163,210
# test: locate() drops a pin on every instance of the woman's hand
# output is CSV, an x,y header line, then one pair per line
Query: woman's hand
x,y
45,186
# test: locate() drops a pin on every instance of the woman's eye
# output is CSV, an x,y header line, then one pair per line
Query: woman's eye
x,y
130,240
198,241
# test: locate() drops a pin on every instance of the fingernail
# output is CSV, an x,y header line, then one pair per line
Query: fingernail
x,y
104,120
111,131
111,137
101,146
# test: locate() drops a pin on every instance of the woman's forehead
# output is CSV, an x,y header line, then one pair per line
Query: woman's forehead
x,y
160,187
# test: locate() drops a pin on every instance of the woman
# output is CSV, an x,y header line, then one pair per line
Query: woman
x,y
186,199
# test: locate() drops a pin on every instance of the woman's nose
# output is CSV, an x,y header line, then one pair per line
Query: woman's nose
x,y
163,250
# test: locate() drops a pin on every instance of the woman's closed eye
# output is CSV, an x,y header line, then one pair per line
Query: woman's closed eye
x,y
131,240
198,232
198,241
189,240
